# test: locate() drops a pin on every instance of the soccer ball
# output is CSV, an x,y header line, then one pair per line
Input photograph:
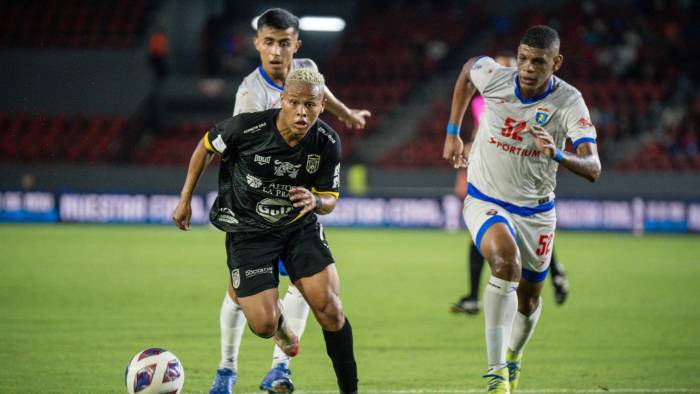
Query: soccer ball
x,y
154,371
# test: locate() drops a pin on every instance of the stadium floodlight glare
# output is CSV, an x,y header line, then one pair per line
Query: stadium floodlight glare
x,y
321,23
314,23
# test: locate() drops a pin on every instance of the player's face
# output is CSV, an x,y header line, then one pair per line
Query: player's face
x,y
277,49
535,67
302,103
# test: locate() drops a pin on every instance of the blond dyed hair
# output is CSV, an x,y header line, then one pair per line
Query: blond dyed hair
x,y
306,75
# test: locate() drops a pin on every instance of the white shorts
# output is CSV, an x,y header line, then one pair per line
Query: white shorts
x,y
533,234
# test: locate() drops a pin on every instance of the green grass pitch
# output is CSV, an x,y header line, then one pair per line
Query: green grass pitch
x,y
77,302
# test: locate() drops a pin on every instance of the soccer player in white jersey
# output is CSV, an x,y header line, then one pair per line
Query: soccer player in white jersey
x,y
277,41
513,162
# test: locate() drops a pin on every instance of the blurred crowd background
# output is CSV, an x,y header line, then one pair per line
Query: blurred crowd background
x,y
125,88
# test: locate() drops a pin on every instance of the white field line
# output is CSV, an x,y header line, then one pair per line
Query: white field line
x,y
523,391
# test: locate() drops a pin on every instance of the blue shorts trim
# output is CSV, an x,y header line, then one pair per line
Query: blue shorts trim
x,y
281,267
487,224
515,209
580,141
534,276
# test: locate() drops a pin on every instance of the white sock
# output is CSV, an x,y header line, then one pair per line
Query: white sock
x,y
296,312
500,306
232,324
523,327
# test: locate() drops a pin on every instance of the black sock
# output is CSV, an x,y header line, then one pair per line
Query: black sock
x,y
476,263
554,267
339,348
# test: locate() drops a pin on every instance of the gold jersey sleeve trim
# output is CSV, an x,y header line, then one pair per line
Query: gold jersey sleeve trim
x,y
299,216
207,144
334,194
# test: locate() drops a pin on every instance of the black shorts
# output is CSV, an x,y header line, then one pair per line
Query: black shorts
x,y
252,257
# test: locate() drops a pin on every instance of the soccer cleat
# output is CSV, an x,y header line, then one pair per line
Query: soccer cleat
x,y
466,305
561,288
289,345
513,363
278,380
497,382
224,381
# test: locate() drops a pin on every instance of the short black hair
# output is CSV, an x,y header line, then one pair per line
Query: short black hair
x,y
541,36
278,18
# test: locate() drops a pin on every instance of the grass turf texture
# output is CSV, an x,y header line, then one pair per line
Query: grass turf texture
x,y
77,302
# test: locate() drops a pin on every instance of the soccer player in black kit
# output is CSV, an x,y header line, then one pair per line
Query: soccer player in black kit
x,y
279,169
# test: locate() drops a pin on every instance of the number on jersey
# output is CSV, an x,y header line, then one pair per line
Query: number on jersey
x,y
545,244
513,127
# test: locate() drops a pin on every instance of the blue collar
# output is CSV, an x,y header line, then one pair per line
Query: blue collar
x,y
539,97
269,80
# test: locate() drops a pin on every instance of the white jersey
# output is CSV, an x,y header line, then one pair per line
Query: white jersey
x,y
258,92
504,163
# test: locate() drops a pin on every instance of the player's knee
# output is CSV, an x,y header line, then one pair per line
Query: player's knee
x,y
264,328
330,315
506,264
529,305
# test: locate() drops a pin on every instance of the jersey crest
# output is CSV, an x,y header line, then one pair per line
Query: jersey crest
x,y
235,278
312,163
542,116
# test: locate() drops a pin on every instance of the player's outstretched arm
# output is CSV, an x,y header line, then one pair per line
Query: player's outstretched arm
x,y
351,117
454,150
585,162
198,162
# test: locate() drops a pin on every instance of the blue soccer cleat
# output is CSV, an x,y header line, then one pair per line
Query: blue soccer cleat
x,y
278,380
224,381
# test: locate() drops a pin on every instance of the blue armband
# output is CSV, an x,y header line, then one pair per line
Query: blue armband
x,y
558,156
452,129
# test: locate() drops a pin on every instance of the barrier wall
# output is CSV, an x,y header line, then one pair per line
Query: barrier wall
x,y
635,215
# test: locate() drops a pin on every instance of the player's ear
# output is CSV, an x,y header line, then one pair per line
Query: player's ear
x,y
256,42
558,61
297,46
323,104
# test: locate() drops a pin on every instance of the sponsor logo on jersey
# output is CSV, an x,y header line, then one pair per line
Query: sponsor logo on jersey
x,y
336,176
541,116
259,271
235,278
327,134
583,122
253,181
261,160
255,128
273,209
277,189
312,163
284,168
219,144
226,215
491,212
514,150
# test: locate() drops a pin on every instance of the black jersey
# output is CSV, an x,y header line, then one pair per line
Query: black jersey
x,y
258,168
